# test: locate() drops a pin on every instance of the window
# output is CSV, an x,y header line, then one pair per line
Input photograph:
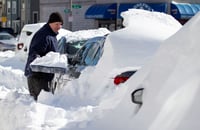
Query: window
x,y
35,16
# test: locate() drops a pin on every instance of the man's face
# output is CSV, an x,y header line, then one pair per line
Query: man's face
x,y
56,26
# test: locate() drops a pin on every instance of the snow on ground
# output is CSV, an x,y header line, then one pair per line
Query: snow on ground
x,y
73,106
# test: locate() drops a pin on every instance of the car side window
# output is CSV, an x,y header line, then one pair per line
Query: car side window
x,y
93,51
91,54
62,45
5,37
74,46
83,52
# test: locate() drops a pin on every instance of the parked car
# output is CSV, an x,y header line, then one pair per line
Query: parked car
x,y
83,48
8,30
26,36
24,39
134,45
7,42
165,94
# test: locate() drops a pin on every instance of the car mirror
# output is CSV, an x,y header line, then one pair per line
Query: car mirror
x,y
137,96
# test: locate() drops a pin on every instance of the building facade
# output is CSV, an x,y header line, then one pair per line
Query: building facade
x,y
88,14
16,13
73,12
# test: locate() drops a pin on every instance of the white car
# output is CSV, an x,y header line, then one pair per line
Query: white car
x,y
27,34
167,90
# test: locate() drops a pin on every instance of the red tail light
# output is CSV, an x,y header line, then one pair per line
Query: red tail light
x,y
121,78
20,46
118,80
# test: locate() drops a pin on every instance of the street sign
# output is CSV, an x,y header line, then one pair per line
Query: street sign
x,y
66,10
75,6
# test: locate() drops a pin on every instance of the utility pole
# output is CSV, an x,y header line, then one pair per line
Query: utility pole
x,y
117,11
11,13
70,18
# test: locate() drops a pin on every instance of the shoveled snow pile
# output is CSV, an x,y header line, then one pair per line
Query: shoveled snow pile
x,y
52,59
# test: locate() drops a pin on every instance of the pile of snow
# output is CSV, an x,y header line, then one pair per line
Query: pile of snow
x,y
52,59
172,93
147,31
171,88
154,24
8,54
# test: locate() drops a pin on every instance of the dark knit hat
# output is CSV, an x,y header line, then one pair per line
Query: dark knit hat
x,y
55,17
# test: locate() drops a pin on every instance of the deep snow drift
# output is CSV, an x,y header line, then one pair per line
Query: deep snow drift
x,y
171,88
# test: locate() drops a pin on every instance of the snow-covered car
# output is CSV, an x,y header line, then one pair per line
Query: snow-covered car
x,y
137,94
127,50
82,48
7,42
167,89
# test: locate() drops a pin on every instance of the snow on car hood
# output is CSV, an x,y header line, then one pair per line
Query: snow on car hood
x,y
86,34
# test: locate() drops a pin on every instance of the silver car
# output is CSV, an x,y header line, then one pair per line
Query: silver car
x,y
7,42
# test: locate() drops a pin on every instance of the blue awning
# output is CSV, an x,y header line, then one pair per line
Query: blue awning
x,y
101,11
159,7
184,10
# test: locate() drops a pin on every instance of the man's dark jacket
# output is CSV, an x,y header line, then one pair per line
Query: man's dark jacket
x,y
43,42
